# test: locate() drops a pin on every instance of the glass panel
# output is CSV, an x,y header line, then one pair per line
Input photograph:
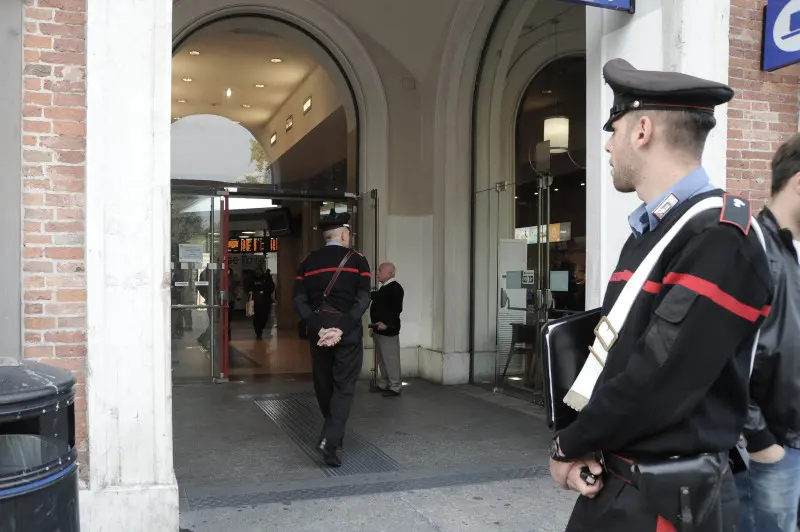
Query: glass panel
x,y
195,290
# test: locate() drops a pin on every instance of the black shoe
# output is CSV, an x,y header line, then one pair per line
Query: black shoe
x,y
391,393
329,455
376,389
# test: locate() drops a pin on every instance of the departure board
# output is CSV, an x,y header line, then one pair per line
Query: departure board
x,y
252,245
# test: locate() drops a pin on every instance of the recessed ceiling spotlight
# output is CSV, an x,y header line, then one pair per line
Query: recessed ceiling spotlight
x,y
246,105
176,117
228,93
187,80
194,52
547,91
276,60
181,101
259,85
236,122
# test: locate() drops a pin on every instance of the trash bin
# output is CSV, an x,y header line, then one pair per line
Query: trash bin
x,y
38,459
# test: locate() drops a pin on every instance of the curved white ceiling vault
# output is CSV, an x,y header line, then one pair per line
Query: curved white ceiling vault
x,y
237,69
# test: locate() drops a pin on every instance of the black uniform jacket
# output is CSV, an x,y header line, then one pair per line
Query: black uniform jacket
x,y
387,305
675,382
349,298
775,385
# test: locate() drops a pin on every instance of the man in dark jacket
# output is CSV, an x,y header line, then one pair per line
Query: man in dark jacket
x,y
332,307
387,304
770,489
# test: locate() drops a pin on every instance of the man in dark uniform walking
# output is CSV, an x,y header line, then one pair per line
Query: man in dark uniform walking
x,y
672,394
331,294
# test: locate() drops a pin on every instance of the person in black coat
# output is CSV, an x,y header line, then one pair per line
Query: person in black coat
x,y
331,308
387,305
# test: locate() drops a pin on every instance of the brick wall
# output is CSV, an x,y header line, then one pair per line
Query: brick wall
x,y
764,112
54,139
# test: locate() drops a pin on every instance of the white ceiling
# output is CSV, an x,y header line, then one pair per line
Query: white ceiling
x,y
237,54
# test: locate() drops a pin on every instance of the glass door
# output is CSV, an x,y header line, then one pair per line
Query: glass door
x,y
197,286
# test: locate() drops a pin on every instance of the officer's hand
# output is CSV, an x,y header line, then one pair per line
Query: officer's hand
x,y
576,483
381,326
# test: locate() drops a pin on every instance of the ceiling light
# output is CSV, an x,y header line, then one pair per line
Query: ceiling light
x,y
555,190
583,184
246,105
307,105
176,117
273,139
547,91
556,130
276,60
181,101
187,80
194,52
229,93
259,85
236,122
289,122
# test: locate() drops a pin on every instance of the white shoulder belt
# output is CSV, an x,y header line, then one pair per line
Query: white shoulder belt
x,y
609,327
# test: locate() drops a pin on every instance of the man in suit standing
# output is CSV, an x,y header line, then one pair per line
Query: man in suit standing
x,y
387,304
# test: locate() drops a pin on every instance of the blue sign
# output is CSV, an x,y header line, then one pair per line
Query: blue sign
x,y
781,39
619,5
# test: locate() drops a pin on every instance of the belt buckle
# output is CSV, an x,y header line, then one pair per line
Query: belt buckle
x,y
614,334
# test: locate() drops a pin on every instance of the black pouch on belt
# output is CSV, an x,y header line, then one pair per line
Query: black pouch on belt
x,y
684,491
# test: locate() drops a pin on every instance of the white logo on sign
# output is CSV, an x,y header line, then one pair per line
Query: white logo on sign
x,y
738,203
784,36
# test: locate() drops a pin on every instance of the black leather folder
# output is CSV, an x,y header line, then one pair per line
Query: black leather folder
x,y
564,347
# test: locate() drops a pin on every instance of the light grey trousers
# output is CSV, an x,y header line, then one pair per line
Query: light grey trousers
x,y
387,349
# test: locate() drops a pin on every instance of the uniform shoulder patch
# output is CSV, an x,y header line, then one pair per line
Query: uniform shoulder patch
x,y
737,211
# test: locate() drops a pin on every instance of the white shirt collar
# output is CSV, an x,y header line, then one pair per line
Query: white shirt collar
x,y
797,247
388,282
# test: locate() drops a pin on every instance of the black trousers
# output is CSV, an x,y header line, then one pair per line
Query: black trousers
x,y
336,370
620,507
260,318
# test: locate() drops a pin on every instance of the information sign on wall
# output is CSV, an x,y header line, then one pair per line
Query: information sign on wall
x,y
618,5
781,35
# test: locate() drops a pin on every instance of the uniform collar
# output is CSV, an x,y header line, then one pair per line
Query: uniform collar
x,y
648,215
333,244
390,281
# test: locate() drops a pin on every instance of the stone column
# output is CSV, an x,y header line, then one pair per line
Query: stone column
x,y
131,478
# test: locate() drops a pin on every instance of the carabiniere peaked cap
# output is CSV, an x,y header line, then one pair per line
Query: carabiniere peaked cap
x,y
636,90
333,220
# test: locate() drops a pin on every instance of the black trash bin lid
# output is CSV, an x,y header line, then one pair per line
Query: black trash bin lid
x,y
25,382
29,462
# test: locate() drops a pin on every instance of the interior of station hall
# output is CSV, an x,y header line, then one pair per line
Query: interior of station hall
x,y
270,132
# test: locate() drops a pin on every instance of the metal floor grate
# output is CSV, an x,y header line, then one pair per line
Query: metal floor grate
x,y
298,415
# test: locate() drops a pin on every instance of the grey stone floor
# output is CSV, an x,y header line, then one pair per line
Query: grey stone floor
x,y
463,460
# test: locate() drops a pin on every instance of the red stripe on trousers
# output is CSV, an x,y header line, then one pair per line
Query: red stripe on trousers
x,y
664,526
717,295
649,286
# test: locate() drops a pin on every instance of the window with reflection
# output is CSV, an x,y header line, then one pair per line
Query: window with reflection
x,y
553,109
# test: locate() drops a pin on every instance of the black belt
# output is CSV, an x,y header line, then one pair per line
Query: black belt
x,y
625,468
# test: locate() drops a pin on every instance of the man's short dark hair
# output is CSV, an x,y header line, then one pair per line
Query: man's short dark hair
x,y
686,131
785,164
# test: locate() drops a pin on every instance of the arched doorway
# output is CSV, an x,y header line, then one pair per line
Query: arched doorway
x,y
539,75
261,112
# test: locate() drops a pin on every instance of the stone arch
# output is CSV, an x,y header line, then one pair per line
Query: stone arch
x,y
345,50
499,92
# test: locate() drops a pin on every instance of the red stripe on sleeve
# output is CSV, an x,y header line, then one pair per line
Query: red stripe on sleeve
x,y
717,295
366,274
625,276
299,278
